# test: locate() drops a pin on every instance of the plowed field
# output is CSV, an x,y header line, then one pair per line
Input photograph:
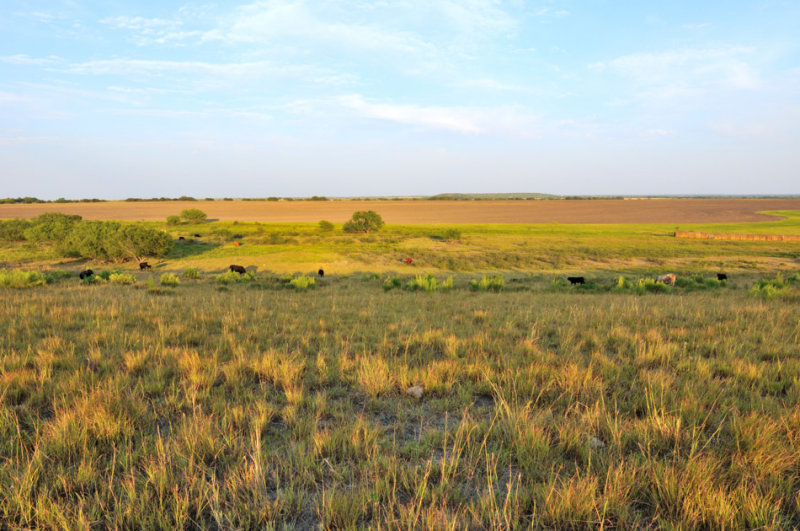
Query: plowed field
x,y
404,212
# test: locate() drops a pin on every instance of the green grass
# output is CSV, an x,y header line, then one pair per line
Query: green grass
x,y
269,407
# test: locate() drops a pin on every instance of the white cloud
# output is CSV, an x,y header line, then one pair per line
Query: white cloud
x,y
467,120
23,59
686,72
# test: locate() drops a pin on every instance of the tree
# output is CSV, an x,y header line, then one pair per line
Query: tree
x,y
364,221
193,215
110,240
173,220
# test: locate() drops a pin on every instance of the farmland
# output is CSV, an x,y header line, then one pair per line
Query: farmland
x,y
429,212
257,401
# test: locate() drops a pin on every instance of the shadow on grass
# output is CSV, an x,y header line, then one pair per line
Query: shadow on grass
x,y
184,249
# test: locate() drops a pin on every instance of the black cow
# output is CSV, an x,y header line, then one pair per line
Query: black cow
x,y
238,269
576,280
722,276
321,272
86,274
144,265
181,238
196,235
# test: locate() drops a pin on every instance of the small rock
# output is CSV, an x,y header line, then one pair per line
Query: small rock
x,y
415,391
596,444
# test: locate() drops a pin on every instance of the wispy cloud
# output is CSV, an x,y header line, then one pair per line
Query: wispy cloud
x,y
466,120
23,59
686,72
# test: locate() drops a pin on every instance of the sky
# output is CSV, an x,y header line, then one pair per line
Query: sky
x,y
114,99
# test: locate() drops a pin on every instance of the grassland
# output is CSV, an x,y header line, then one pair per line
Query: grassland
x,y
238,406
209,402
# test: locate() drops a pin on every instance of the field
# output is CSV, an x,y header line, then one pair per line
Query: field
x,y
220,401
673,211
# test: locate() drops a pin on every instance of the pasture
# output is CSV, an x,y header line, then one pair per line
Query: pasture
x,y
275,399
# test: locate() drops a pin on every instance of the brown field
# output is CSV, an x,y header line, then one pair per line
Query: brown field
x,y
404,212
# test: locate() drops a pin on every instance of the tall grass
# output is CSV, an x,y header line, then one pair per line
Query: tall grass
x,y
267,408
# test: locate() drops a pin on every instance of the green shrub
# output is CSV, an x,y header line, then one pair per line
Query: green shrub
x,y
169,279
370,276
13,230
55,276
774,288
122,278
173,220
21,279
191,273
325,226
494,283
364,221
428,283
391,283
302,283
93,279
193,215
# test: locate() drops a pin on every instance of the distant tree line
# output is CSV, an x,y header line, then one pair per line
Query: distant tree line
x,y
69,235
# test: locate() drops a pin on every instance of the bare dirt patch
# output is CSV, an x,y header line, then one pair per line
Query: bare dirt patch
x,y
405,212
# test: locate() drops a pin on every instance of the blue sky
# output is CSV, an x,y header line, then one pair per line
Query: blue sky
x,y
117,99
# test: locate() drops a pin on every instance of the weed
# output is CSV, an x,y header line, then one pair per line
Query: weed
x,y
121,278
169,279
302,283
493,283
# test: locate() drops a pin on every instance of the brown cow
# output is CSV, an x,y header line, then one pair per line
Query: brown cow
x,y
668,279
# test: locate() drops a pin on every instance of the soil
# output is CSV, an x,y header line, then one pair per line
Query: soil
x,y
428,212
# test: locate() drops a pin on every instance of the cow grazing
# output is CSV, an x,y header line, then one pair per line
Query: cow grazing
x,y
321,272
238,269
722,276
181,238
86,274
576,280
144,265
196,235
668,279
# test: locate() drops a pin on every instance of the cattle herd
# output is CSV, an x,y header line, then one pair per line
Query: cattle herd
x,y
668,278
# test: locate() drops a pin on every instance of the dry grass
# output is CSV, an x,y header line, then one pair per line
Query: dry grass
x,y
256,408
579,211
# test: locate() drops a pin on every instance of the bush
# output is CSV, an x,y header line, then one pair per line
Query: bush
x,y
429,283
106,273
369,276
122,278
325,226
191,273
193,215
773,288
21,279
13,230
364,221
697,282
173,220
111,240
302,283
93,279
169,279
391,283
52,227
494,283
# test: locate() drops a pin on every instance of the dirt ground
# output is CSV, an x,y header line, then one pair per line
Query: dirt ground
x,y
405,212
